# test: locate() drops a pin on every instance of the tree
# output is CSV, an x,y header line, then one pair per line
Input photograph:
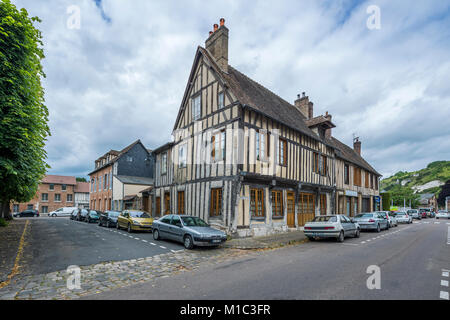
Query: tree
x,y
23,115
79,179
445,192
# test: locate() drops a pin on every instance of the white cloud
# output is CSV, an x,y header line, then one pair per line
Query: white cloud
x,y
110,83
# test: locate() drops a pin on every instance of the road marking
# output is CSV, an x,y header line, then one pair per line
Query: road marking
x,y
349,244
103,239
162,247
448,235
144,240
363,242
445,274
437,223
137,239
444,295
368,240
444,283
153,244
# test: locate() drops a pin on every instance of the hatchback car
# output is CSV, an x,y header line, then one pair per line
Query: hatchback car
x,y
391,218
189,230
28,213
403,217
134,220
424,212
372,221
92,216
335,226
443,214
108,218
414,213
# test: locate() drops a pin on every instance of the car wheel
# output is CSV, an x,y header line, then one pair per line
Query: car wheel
x,y
129,229
311,238
107,224
341,237
188,243
117,225
156,234
378,228
357,233
54,215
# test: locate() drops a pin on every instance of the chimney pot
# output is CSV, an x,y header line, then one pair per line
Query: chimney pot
x,y
303,94
217,45
216,26
222,22
210,33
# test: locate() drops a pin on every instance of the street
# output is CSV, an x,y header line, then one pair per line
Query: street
x,y
414,260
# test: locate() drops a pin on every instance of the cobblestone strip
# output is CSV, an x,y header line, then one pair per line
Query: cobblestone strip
x,y
111,275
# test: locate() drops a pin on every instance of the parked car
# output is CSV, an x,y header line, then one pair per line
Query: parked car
x,y
333,226
81,214
424,212
189,230
414,213
391,218
108,218
372,221
74,214
443,214
28,213
92,216
403,217
134,220
62,212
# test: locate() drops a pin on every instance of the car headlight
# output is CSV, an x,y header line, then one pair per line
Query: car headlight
x,y
135,222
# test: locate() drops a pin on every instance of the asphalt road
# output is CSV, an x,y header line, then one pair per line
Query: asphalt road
x,y
53,244
413,259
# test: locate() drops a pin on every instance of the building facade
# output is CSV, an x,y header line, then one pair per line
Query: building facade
x,y
81,191
107,189
242,158
53,192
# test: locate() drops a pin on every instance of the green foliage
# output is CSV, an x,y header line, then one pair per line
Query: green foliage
x,y
386,198
3,222
81,179
23,115
444,193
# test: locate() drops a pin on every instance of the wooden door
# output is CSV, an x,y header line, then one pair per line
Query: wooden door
x,y
306,208
291,209
166,203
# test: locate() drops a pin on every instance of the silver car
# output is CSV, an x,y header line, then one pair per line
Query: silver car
x,y
391,218
443,214
189,230
403,217
372,221
414,213
336,226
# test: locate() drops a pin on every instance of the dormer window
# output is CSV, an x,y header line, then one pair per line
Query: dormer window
x,y
129,159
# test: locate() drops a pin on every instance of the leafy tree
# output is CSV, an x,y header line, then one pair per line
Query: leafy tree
x,y
444,193
79,179
23,115
386,201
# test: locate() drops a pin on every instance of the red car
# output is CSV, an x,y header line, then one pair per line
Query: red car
x,y
424,212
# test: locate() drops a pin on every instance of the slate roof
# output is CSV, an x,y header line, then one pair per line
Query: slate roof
x,y
135,180
55,179
345,152
319,120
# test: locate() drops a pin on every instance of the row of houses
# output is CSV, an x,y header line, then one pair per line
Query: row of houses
x,y
54,192
242,158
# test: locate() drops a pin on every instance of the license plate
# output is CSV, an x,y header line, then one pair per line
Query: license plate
x,y
216,241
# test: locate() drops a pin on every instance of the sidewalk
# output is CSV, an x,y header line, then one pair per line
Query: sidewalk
x,y
267,242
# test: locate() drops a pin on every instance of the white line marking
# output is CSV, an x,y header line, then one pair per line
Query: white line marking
x,y
444,295
137,239
437,223
363,242
162,247
153,244
444,283
349,244
445,274
103,239
144,240
368,240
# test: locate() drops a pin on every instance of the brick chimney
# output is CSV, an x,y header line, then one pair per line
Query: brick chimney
x,y
217,45
328,131
357,145
304,105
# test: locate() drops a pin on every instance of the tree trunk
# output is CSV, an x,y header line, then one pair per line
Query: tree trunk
x,y
4,211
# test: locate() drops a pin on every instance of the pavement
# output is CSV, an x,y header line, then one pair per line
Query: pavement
x,y
267,242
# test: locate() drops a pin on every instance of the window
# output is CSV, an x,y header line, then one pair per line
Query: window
x,y
346,174
115,168
306,203
357,177
105,182
164,163
218,146
221,100
180,202
323,165
92,185
257,203
129,159
110,180
323,204
158,206
315,164
176,221
376,183
45,197
30,207
63,187
366,180
216,202
196,107
44,209
57,197
51,187
262,145
182,156
282,154
100,183
16,208
69,197
277,204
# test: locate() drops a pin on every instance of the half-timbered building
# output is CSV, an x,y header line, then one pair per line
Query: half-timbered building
x,y
242,158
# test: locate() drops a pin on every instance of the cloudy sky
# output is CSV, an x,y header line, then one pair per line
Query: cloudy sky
x,y
121,75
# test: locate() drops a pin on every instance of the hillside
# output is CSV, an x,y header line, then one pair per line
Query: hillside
x,y
427,180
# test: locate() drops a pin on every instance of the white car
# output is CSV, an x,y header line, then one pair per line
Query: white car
x,y
403,217
337,226
62,212
443,214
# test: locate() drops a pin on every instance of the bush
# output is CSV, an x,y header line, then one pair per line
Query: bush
x,y
3,222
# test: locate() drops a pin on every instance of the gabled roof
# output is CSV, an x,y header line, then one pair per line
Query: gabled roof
x,y
320,120
347,153
55,179
119,155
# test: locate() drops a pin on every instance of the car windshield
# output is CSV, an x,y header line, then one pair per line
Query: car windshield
x,y
139,214
194,222
401,213
364,215
93,213
113,214
412,211
84,211
325,219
